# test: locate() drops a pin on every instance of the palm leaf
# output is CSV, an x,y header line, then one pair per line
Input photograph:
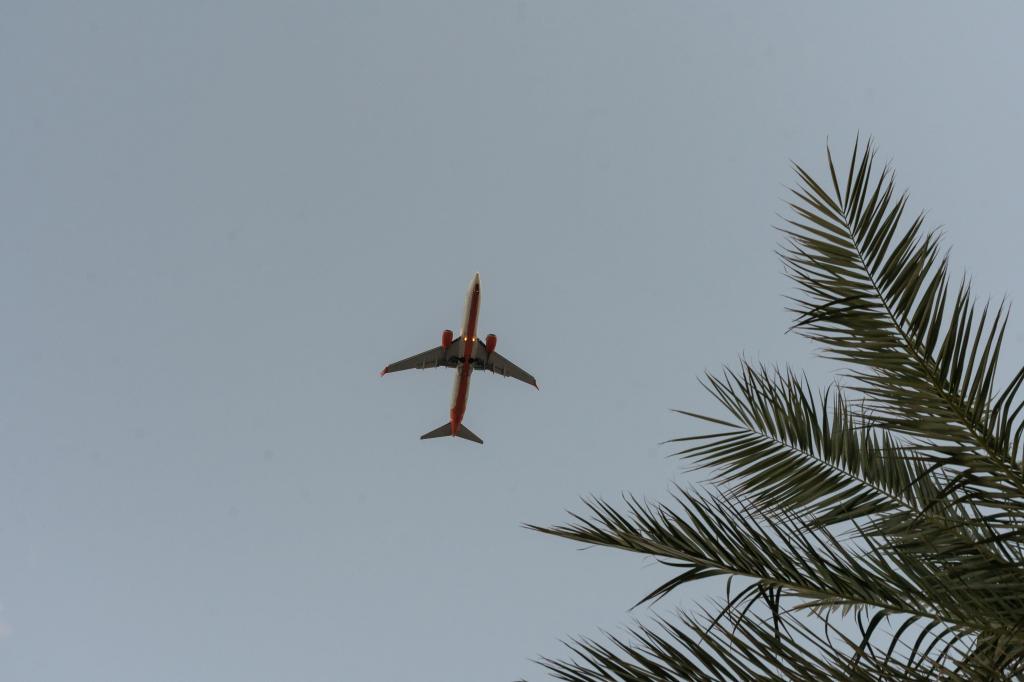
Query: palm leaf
x,y
814,455
895,505
878,299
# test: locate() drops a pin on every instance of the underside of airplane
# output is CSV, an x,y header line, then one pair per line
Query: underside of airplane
x,y
464,353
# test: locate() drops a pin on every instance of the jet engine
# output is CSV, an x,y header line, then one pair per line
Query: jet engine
x,y
446,338
491,343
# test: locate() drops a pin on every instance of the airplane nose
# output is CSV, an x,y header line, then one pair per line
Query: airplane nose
x,y
476,280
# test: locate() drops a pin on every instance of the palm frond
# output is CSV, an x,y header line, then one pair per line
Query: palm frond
x,y
732,646
716,536
881,300
819,458
812,455
966,594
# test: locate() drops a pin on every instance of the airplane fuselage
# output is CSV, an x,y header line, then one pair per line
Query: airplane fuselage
x,y
460,392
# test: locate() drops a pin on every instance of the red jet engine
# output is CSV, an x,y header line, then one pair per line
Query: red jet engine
x,y
446,338
491,343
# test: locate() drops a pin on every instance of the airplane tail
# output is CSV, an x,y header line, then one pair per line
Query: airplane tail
x,y
446,430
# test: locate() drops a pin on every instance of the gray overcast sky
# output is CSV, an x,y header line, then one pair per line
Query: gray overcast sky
x,y
218,221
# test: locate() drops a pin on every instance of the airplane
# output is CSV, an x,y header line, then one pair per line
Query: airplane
x,y
463,353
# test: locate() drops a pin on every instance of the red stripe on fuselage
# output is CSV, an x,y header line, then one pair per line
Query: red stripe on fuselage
x,y
466,365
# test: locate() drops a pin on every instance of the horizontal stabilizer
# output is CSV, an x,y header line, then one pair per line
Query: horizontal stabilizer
x,y
443,430
463,432
446,430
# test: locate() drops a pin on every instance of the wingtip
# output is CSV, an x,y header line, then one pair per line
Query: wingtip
x,y
384,371
536,385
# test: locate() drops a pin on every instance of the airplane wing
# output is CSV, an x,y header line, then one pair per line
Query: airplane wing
x,y
435,357
499,364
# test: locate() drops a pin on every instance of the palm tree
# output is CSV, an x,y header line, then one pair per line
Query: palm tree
x,y
871,530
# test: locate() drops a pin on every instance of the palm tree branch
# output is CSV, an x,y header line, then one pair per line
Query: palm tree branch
x,y
879,302
808,564
785,451
733,645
